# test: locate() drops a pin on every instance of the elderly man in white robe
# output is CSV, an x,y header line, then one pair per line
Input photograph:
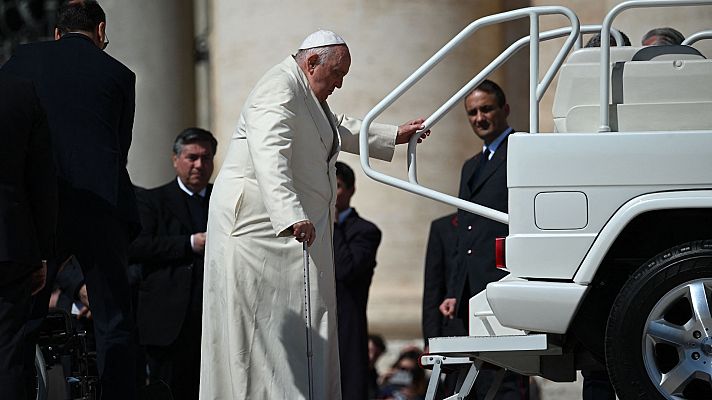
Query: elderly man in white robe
x,y
277,184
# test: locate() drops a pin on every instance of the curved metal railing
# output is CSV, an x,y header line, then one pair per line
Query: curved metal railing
x,y
511,50
697,36
536,90
606,47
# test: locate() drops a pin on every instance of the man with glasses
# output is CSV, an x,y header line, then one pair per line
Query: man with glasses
x,y
89,98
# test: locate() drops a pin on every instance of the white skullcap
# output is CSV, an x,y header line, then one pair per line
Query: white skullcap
x,y
321,38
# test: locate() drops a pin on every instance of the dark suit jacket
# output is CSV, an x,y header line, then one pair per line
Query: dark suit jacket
x,y
476,234
355,244
28,188
89,100
440,263
171,270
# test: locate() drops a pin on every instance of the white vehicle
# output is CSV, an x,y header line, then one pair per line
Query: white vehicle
x,y
610,217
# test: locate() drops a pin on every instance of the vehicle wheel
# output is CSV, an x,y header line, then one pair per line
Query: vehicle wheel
x,y
659,332
42,382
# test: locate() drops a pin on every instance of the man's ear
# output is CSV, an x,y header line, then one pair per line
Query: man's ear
x,y
506,110
101,33
312,62
57,34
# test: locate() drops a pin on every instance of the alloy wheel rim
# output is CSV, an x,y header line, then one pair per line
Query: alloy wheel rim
x,y
677,342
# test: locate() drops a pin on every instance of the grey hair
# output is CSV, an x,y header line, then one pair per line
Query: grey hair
x,y
194,135
324,53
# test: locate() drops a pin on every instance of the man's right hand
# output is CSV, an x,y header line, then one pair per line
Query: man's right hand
x,y
447,308
304,231
198,242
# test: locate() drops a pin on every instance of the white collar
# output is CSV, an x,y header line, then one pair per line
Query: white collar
x,y
185,189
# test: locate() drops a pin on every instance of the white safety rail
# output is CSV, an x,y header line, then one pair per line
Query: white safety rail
x,y
606,47
511,50
696,37
535,91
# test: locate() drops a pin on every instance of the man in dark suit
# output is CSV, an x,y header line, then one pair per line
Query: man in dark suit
x,y
28,218
483,181
89,100
355,244
440,262
171,248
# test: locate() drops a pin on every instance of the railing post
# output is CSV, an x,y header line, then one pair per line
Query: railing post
x,y
533,72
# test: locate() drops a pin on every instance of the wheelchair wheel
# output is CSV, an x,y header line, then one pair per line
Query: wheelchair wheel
x,y
40,367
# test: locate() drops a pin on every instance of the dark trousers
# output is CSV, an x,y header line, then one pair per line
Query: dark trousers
x,y
99,241
178,365
514,386
597,385
15,308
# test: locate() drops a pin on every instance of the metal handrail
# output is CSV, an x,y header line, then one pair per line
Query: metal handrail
x,y
606,47
535,91
510,51
697,36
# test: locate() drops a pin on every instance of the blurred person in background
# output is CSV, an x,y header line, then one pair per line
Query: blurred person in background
x,y
662,37
356,242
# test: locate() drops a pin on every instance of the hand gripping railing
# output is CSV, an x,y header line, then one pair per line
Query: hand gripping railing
x,y
536,90
515,47
606,47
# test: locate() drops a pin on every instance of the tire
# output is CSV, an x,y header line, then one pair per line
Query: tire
x,y
42,382
659,332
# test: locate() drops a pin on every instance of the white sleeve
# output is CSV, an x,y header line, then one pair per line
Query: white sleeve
x,y
381,138
269,131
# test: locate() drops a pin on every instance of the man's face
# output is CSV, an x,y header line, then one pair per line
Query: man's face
x,y
343,195
325,77
194,165
487,118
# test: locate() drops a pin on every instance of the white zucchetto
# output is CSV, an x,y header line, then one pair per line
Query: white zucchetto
x,y
321,38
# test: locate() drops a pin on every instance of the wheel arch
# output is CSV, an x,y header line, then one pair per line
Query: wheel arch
x,y
641,229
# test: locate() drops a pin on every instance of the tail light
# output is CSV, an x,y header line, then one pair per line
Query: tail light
x,y
499,253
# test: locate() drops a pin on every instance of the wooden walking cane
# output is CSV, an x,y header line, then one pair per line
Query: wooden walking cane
x,y
307,316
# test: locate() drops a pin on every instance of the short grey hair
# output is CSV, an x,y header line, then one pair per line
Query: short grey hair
x,y
194,135
324,53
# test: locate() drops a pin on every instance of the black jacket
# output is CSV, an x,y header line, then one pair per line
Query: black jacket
x,y
355,244
28,186
89,99
440,263
172,273
475,234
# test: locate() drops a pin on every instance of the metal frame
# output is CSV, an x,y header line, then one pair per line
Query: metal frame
x,y
606,47
536,90
697,36
515,47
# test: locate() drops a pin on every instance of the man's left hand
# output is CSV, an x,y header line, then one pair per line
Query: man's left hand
x,y
408,129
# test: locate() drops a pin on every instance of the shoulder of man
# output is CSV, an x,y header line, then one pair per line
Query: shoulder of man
x,y
362,223
445,222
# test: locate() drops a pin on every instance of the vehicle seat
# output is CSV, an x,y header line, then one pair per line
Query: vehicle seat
x,y
655,88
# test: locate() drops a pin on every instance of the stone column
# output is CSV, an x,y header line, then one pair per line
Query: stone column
x,y
388,41
155,39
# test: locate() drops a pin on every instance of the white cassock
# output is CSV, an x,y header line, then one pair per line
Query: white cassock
x,y
279,169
